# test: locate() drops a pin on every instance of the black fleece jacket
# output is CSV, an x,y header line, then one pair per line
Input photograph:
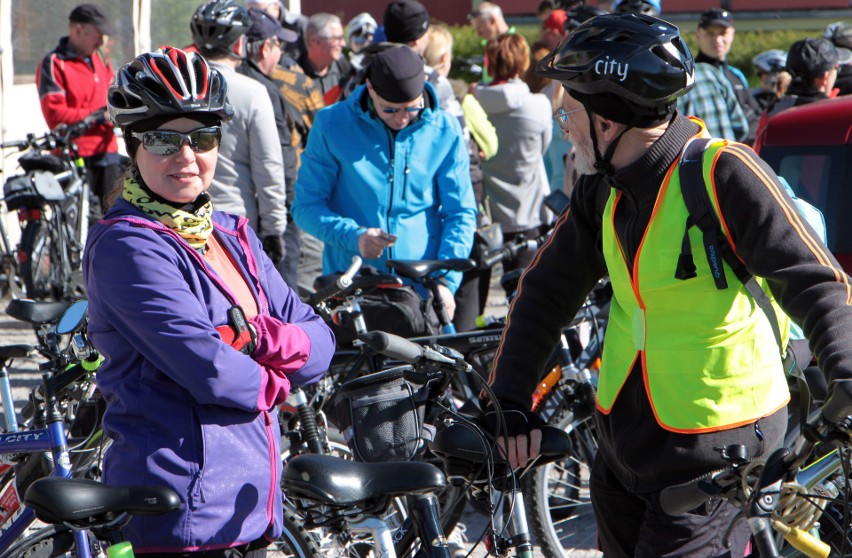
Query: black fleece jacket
x,y
766,235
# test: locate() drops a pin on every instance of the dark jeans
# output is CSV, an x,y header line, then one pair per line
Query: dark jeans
x,y
288,267
634,525
471,298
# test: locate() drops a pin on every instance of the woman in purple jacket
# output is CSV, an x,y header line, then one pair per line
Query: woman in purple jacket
x,y
202,337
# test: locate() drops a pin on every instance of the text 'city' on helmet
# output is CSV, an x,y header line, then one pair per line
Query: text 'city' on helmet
x,y
167,82
640,59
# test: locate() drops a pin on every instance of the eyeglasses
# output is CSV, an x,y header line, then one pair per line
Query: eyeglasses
x,y
409,110
334,39
561,114
167,142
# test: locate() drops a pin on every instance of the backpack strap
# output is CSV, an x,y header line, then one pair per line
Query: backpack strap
x,y
716,245
703,215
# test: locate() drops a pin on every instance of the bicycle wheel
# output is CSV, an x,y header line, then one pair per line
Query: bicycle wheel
x,y
41,264
48,542
295,540
557,494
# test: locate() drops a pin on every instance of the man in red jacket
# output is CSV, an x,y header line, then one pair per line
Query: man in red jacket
x,y
72,82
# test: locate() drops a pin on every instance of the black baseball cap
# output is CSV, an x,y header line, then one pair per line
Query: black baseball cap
x,y
405,21
89,13
716,16
810,58
264,26
397,74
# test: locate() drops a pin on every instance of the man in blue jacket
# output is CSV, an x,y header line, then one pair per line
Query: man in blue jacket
x,y
385,174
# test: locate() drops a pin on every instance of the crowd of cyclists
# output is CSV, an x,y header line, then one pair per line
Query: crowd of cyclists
x,y
276,147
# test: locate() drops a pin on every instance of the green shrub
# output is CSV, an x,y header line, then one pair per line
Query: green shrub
x,y
746,45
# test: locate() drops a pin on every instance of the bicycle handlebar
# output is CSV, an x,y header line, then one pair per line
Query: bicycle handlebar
x,y
766,490
398,348
511,250
343,282
60,136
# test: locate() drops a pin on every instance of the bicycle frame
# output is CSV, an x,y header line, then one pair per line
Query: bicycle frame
x,y
50,439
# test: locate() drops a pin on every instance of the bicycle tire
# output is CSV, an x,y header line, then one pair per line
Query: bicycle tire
x,y
557,494
41,268
295,540
48,542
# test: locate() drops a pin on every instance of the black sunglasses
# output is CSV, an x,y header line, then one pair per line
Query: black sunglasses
x,y
167,142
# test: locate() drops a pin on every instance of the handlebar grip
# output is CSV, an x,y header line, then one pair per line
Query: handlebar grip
x,y
342,282
838,405
681,498
393,346
495,256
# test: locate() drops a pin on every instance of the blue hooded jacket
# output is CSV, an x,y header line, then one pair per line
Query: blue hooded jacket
x,y
357,173
184,408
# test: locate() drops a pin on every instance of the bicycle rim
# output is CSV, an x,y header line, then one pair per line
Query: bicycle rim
x,y
557,495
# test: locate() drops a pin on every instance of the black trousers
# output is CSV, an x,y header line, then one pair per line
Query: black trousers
x,y
289,266
634,525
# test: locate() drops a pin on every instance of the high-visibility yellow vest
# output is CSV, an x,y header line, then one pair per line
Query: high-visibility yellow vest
x,y
709,358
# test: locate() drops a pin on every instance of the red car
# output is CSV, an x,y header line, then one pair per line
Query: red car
x,y
811,146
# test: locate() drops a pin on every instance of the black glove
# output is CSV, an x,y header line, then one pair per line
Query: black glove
x,y
838,404
273,245
519,421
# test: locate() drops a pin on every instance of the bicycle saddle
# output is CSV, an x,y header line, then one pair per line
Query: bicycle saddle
x,y
83,503
417,269
459,441
15,351
36,311
339,482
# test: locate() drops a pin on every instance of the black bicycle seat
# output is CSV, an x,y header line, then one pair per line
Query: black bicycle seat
x,y
36,311
15,351
83,503
459,441
417,269
339,482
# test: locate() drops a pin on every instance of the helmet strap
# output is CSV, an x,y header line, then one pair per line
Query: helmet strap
x,y
603,163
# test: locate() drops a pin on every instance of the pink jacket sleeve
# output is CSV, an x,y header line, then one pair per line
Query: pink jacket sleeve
x,y
280,346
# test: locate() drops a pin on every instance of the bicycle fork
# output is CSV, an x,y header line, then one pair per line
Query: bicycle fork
x,y
517,533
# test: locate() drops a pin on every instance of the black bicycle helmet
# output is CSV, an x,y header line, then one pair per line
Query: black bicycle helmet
x,y
629,68
647,7
217,25
640,59
164,83
579,14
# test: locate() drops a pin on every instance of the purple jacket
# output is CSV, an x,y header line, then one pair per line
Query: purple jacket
x,y
185,409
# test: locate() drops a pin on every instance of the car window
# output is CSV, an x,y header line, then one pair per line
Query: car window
x,y
818,174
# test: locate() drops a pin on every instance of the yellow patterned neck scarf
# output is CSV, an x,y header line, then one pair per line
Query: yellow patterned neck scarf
x,y
193,224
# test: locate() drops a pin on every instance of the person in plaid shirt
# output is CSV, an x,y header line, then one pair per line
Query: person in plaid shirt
x,y
713,98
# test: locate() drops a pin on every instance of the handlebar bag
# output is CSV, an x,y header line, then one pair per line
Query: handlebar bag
x,y
19,192
381,416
